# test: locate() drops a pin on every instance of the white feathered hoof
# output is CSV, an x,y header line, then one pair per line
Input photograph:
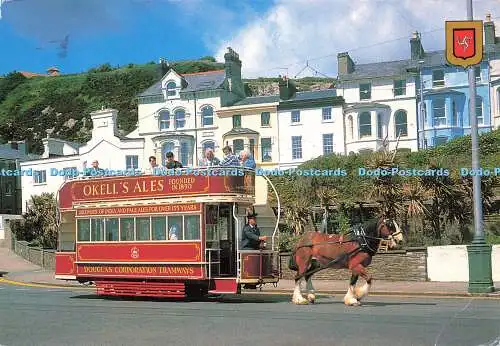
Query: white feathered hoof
x,y
300,301
361,292
351,302
311,298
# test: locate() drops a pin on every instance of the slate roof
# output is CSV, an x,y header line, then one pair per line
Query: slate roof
x,y
195,82
377,70
257,99
312,95
240,131
12,154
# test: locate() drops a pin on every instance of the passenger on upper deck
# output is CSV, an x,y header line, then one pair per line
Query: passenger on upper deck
x,y
229,158
95,170
153,168
209,160
171,163
246,159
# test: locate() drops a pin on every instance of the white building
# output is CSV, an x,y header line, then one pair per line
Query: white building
x,y
492,52
179,112
379,104
113,151
309,124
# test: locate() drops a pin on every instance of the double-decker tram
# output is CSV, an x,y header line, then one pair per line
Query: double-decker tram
x,y
166,236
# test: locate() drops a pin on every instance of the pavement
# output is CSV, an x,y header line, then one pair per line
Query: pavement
x,y
15,269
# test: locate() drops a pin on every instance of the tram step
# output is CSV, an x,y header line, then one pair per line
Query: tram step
x,y
141,289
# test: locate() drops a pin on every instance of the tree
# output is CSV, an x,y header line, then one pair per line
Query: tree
x,y
41,220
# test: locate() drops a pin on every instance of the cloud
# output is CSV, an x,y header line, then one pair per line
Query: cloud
x,y
291,32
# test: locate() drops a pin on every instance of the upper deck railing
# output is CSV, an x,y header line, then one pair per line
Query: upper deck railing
x,y
212,181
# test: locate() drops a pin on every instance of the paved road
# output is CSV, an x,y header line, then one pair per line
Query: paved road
x,y
44,316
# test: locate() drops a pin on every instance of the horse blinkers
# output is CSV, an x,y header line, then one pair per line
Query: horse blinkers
x,y
393,239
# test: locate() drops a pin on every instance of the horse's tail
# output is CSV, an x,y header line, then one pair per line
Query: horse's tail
x,y
292,263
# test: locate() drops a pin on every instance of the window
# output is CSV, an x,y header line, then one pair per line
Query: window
x,y
192,227
477,73
236,121
266,146
238,145
184,154
296,147
438,108
159,225
350,125
83,229
401,123
479,110
207,116
132,161
438,78
171,89
365,91
180,118
400,87
265,119
380,125
327,143
96,229
164,120
295,116
252,147
327,113
208,145
40,177
127,229
365,125
111,229
142,226
70,173
175,228
8,189
440,140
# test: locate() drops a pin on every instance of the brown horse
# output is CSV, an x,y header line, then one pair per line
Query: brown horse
x,y
354,251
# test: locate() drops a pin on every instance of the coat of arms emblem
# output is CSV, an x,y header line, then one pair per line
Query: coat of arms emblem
x,y
134,252
464,42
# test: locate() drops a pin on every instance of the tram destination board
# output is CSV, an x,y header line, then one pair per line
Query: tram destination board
x,y
120,188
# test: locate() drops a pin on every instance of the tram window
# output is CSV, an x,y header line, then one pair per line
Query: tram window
x,y
175,228
83,230
159,227
142,227
96,229
111,229
127,229
192,227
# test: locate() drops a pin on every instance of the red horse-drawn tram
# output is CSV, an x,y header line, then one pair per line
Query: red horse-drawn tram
x,y
165,236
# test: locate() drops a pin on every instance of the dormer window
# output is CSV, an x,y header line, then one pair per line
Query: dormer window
x,y
171,89
164,120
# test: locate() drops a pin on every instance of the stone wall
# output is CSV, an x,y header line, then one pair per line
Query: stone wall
x,y
45,258
404,265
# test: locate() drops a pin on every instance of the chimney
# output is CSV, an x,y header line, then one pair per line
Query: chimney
x,y
14,145
345,63
104,123
232,67
417,51
287,88
489,31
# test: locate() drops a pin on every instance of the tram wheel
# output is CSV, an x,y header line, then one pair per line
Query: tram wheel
x,y
196,291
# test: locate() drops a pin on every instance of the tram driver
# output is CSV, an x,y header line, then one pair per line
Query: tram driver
x,y
251,238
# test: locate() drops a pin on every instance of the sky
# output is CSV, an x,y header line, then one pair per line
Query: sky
x,y
273,37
